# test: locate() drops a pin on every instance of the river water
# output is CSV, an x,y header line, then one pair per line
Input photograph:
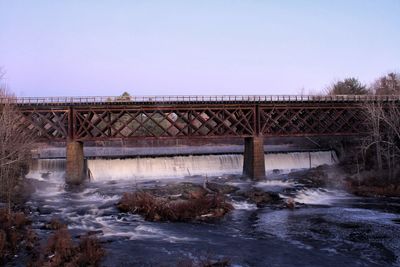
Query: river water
x,y
331,227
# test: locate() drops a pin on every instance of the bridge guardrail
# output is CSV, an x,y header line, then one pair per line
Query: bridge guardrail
x,y
194,98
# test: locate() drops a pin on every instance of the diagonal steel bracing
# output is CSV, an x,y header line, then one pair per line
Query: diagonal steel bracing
x,y
101,121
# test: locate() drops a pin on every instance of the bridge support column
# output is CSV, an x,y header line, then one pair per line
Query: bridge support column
x,y
254,163
76,167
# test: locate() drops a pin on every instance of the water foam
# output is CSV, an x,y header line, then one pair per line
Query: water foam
x,y
320,196
243,205
212,165
275,183
44,169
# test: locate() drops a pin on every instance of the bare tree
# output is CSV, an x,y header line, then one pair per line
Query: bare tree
x,y
16,142
387,85
374,113
391,120
383,135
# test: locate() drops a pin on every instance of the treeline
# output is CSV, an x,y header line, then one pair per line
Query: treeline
x,y
388,84
380,146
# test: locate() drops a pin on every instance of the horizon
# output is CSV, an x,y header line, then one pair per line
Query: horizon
x,y
178,48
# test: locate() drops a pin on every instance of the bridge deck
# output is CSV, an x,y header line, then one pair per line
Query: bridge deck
x,y
190,99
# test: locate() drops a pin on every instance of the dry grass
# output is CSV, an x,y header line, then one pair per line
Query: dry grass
x,y
15,234
390,190
372,184
55,224
154,208
60,250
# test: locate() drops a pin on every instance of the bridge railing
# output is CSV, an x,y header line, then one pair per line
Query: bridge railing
x,y
194,98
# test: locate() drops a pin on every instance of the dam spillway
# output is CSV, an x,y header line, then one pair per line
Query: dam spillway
x,y
142,168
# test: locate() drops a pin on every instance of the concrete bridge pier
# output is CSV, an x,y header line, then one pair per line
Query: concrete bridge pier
x,y
253,162
76,168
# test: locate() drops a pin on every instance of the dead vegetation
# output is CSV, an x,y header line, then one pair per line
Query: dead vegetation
x,y
17,237
16,142
15,234
154,208
61,250
373,184
377,156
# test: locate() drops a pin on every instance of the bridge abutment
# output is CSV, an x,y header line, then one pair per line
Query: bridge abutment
x,y
76,167
253,162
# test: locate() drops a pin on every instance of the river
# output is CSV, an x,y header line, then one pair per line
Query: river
x,y
330,227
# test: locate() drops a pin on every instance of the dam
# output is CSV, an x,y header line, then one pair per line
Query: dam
x,y
157,167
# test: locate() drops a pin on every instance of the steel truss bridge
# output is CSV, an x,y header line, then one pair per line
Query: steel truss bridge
x,y
76,120
116,118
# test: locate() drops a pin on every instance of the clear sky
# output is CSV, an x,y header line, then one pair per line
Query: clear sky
x,y
94,47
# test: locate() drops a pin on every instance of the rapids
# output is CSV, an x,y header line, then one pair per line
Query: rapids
x,y
331,228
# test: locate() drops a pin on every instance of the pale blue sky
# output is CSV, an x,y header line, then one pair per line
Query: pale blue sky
x,y
146,47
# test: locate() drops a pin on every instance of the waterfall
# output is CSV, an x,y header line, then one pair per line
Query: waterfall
x,y
211,165
180,166
299,160
42,169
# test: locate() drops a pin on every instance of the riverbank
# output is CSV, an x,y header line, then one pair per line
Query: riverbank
x,y
365,183
373,184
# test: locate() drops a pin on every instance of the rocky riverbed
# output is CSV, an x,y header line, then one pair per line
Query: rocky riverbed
x,y
301,218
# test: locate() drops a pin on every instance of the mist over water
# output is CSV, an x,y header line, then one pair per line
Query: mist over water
x,y
211,165
331,227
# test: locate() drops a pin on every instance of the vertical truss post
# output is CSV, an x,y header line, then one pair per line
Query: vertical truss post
x,y
257,117
71,124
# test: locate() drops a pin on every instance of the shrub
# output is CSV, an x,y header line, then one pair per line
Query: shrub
x,y
373,184
154,208
15,234
16,143
62,251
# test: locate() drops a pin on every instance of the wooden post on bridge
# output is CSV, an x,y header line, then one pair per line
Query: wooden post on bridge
x,y
254,162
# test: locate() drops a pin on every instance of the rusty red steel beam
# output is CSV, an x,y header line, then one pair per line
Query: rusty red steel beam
x,y
113,121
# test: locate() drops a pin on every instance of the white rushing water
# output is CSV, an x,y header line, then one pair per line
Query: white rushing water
x,y
45,168
180,166
212,165
319,196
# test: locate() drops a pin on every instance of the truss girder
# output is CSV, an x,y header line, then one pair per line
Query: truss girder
x,y
287,121
106,122
163,123
46,124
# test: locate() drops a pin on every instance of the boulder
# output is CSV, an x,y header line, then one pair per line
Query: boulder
x,y
221,188
260,197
